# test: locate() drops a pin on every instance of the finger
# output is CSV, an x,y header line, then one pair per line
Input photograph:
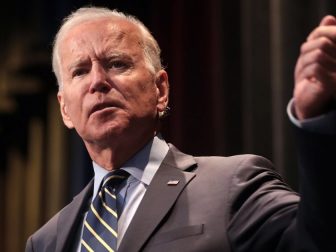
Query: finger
x,y
328,20
324,28
321,50
323,31
318,57
324,44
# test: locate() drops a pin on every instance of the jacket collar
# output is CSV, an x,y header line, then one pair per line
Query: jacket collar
x,y
168,183
71,217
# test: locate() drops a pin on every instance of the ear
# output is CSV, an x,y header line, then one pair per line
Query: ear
x,y
162,89
66,118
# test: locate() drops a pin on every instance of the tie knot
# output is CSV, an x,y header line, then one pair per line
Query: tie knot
x,y
113,179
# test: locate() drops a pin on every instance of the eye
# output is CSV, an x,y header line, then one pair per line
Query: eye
x,y
118,65
79,72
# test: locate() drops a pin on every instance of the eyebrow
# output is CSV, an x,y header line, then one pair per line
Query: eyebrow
x,y
117,55
78,62
84,61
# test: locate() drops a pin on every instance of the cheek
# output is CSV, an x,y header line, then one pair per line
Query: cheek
x,y
144,96
73,105
147,89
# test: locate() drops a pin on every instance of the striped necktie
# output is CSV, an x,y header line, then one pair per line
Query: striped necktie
x,y
100,232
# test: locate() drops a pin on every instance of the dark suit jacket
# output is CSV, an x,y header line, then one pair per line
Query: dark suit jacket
x,y
235,203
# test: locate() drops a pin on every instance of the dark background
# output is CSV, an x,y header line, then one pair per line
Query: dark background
x,y
230,65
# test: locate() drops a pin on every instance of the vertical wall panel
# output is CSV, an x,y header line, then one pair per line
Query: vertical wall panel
x,y
56,180
277,84
256,87
34,174
2,210
15,183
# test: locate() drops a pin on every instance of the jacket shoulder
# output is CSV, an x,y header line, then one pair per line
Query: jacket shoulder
x,y
44,239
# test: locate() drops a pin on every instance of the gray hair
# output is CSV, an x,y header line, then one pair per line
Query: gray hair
x,y
150,46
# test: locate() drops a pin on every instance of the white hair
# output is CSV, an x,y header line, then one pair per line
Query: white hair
x,y
151,48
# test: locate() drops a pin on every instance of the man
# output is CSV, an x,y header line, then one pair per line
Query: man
x,y
113,91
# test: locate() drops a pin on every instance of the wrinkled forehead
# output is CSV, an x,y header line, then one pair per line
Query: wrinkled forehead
x,y
106,32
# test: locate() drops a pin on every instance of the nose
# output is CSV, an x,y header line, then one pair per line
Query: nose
x,y
100,80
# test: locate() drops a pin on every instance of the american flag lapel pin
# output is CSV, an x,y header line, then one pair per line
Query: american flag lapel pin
x,y
173,182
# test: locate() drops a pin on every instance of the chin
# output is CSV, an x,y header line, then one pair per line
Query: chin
x,y
107,133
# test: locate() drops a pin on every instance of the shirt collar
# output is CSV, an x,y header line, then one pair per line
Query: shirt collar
x,y
142,166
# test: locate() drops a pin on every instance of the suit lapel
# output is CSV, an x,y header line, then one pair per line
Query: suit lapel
x,y
70,218
167,184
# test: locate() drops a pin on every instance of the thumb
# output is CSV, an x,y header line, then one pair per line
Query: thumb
x,y
328,20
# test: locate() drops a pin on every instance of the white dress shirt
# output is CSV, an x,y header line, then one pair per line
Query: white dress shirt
x,y
324,124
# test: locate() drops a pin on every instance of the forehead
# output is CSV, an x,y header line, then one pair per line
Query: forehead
x,y
101,35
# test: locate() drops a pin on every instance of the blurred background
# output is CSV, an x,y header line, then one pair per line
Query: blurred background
x,y
230,65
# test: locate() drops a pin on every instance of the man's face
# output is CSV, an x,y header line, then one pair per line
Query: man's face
x,y
108,90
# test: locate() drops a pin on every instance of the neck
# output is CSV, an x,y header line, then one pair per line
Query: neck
x,y
113,155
